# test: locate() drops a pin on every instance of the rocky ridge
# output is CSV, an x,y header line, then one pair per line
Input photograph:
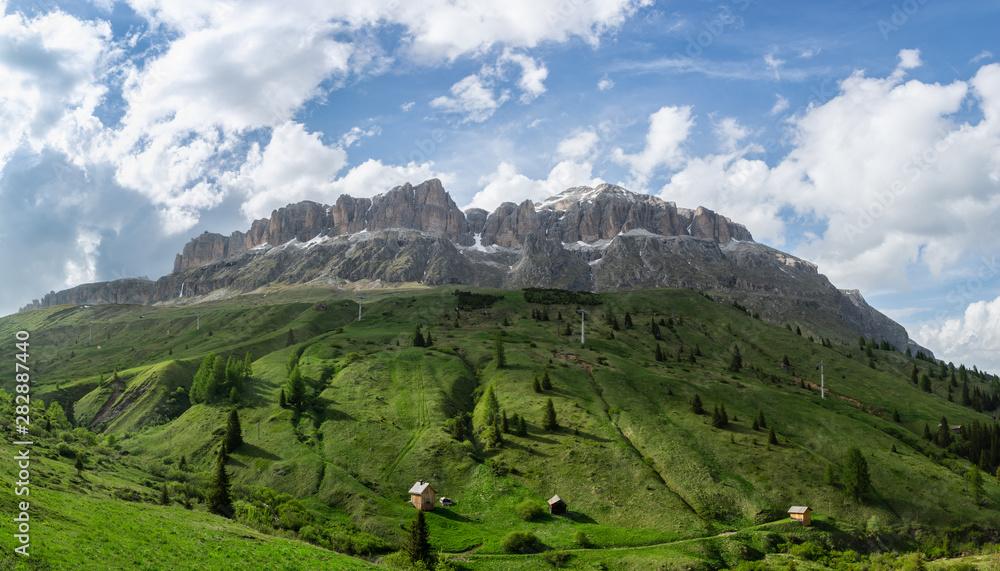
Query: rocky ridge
x,y
596,239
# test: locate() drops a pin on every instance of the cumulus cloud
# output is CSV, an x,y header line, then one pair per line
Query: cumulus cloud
x,y
471,97
533,74
605,83
668,129
973,337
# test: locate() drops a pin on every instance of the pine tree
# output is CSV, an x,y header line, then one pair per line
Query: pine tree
x,y
925,383
217,501
491,405
569,330
659,353
754,425
719,417
164,495
522,427
771,437
281,399
831,475
428,342
504,424
927,432
975,484
696,406
760,419
546,381
856,478
943,433
535,386
549,417
895,415
234,432
417,545
79,463
290,340
418,338
697,350
736,363
628,320
296,388
498,351
183,464
914,374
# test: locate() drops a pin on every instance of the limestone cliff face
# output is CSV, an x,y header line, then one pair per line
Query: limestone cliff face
x,y
596,239
580,214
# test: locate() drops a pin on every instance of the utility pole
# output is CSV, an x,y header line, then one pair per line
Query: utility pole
x,y
582,313
360,297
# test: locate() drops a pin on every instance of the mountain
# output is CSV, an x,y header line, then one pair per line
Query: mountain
x,y
594,239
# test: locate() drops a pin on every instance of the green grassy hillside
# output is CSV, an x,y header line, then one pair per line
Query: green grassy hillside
x,y
647,481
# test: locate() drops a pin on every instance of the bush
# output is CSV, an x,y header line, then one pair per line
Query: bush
x,y
528,510
581,539
521,542
66,450
556,558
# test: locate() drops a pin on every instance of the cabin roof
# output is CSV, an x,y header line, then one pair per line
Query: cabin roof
x,y
556,499
798,509
420,487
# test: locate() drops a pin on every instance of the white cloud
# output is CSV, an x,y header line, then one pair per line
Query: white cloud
x,y
983,55
974,337
605,83
909,59
294,166
533,74
811,52
355,135
668,129
407,106
472,98
730,133
578,146
373,177
774,64
780,105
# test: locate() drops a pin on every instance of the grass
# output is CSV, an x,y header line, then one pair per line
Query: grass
x,y
645,478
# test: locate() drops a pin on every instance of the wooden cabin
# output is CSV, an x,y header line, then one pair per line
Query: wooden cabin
x,y
557,506
422,496
801,514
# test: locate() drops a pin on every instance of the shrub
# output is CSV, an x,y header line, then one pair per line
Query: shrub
x,y
581,539
66,450
556,558
521,542
528,510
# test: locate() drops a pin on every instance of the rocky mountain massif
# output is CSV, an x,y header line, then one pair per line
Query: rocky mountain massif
x,y
597,239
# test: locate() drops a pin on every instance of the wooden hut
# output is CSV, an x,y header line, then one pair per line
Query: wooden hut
x,y
801,514
422,496
557,506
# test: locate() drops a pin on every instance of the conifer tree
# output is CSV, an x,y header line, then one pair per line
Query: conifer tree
x,y
290,340
218,501
927,432
754,425
417,545
491,405
569,330
535,386
428,342
498,351
944,433
549,421
914,373
504,424
736,363
522,427
79,463
895,415
659,353
182,465
696,406
234,432
281,399
418,338
628,320
719,417
975,484
925,383
771,437
164,495
296,388
760,419
856,478
546,381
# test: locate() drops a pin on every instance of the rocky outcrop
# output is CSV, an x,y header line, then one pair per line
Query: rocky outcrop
x,y
597,239
580,214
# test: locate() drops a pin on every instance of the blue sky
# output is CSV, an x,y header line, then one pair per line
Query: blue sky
x,y
864,137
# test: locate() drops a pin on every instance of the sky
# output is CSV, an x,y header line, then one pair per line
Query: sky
x,y
862,136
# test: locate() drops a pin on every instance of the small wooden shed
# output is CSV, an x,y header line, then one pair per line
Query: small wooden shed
x,y
557,506
801,514
422,496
